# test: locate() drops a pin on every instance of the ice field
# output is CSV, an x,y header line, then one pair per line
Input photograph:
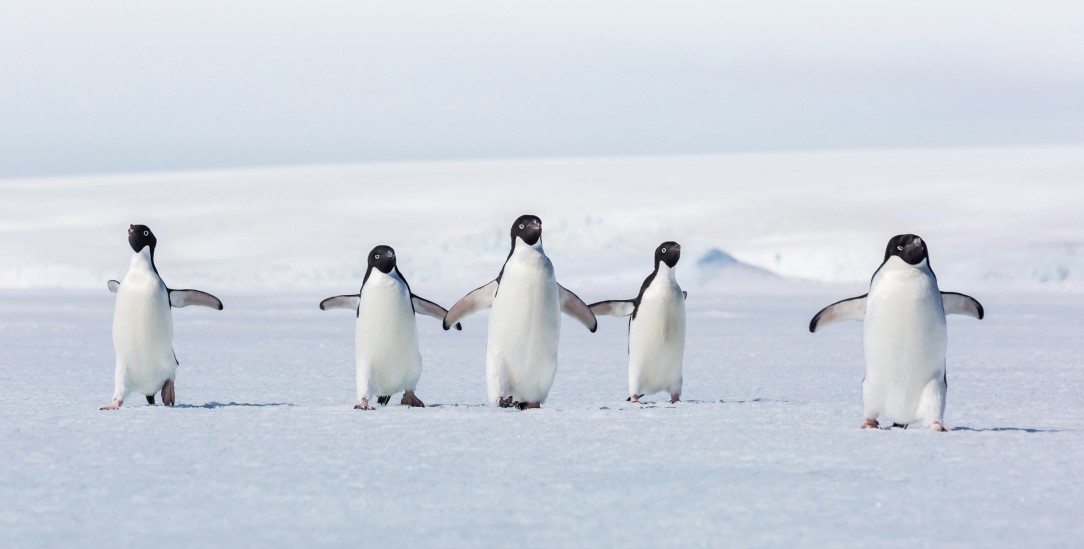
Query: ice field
x,y
264,447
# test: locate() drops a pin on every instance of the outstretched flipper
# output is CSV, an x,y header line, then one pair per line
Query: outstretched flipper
x,y
961,304
113,286
573,306
351,302
623,307
480,298
848,309
425,307
184,298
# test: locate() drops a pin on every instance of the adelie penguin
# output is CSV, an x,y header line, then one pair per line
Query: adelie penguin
x,y
656,328
525,323
143,324
904,336
386,337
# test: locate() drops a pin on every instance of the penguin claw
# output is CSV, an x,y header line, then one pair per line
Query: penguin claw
x,y
114,406
937,426
363,404
412,400
383,400
871,424
506,402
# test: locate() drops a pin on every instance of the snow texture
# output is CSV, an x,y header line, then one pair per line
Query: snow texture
x,y
264,447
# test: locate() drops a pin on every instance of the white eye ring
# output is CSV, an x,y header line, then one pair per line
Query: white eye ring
x,y
146,233
664,250
377,256
521,225
900,248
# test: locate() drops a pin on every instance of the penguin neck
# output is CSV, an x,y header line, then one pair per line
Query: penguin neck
x,y
520,247
664,271
143,261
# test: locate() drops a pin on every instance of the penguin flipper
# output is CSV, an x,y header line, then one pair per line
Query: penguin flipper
x,y
623,307
480,298
962,304
573,306
184,298
351,302
113,286
849,309
425,307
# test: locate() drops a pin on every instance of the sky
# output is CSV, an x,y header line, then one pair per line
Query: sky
x,y
114,86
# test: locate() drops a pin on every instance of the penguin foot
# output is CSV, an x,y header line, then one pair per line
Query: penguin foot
x,y
506,402
635,399
150,400
412,400
114,406
936,426
528,405
675,399
871,424
363,404
383,400
169,393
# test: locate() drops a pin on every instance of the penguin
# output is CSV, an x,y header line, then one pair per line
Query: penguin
x,y
525,322
387,358
656,328
904,336
143,324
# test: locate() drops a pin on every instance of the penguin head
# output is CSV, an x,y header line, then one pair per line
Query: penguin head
x,y
140,236
907,247
528,228
668,252
382,258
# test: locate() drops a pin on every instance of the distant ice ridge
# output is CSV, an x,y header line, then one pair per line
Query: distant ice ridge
x,y
994,218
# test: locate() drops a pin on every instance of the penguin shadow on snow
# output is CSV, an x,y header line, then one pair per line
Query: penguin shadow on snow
x,y
1006,429
214,405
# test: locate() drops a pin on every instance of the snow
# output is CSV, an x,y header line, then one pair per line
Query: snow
x,y
265,448
994,218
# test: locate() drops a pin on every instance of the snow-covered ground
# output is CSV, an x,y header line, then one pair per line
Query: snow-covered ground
x,y
999,218
265,448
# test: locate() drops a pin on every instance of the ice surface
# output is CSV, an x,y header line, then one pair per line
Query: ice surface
x,y
265,449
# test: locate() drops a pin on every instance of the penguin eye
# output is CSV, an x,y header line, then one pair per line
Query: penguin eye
x,y
900,248
521,225
146,233
664,250
377,256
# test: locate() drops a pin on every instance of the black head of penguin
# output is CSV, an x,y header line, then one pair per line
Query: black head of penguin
x,y
140,236
668,252
528,228
382,258
907,247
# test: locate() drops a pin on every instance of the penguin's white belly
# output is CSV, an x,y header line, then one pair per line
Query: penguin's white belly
x,y
143,333
386,339
657,342
524,329
905,341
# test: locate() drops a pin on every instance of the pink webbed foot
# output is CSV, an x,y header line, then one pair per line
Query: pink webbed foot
x,y
675,398
169,393
635,399
114,406
529,405
936,426
871,424
363,404
412,400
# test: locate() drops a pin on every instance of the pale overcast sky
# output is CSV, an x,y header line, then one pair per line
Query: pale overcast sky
x,y
114,85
